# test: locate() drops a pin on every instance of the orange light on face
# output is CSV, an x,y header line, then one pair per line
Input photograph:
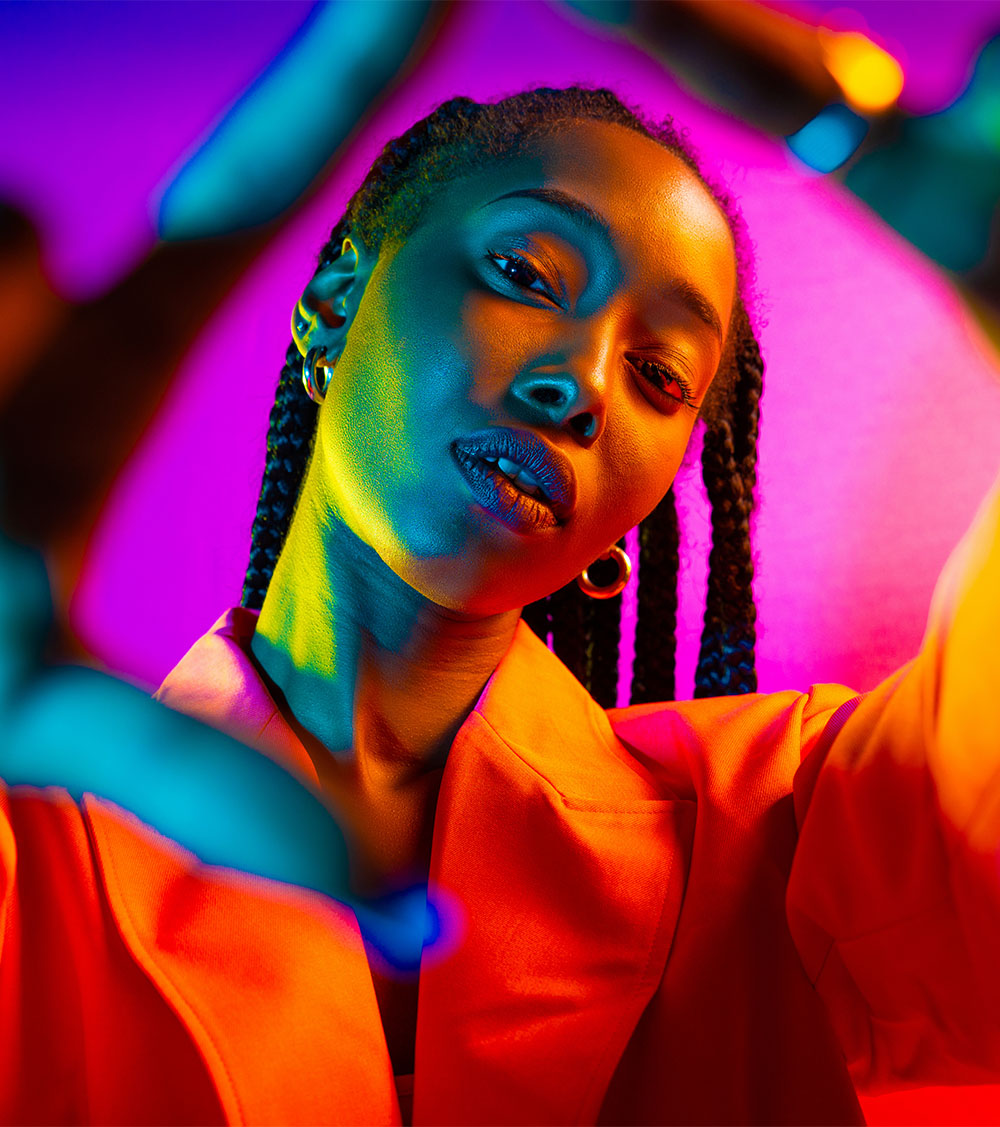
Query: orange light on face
x,y
870,78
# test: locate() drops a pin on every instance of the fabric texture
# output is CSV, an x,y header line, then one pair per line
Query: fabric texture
x,y
719,911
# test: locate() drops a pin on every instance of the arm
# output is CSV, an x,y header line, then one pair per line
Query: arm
x,y
272,143
761,65
254,171
894,894
82,732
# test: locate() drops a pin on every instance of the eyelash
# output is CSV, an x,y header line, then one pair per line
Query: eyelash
x,y
496,257
666,376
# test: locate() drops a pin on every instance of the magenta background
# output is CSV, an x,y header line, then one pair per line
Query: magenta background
x,y
881,417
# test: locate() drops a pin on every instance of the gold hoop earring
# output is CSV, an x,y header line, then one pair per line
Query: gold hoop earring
x,y
316,370
589,587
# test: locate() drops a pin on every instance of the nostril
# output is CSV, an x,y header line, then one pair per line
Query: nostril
x,y
584,424
548,395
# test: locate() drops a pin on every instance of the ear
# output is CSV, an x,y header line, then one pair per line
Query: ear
x,y
327,307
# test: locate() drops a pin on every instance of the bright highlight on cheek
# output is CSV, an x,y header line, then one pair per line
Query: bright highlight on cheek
x,y
368,461
640,470
389,467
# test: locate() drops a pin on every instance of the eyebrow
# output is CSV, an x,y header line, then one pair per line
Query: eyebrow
x,y
683,291
576,209
695,301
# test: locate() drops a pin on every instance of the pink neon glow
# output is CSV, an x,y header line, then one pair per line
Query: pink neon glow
x,y
881,417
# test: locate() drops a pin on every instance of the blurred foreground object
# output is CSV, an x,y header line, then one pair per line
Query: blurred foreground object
x,y
87,733
270,145
936,180
832,95
759,65
81,382
869,77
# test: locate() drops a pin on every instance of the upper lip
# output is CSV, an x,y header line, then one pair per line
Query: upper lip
x,y
551,467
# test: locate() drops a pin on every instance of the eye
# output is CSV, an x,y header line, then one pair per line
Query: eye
x,y
663,379
521,272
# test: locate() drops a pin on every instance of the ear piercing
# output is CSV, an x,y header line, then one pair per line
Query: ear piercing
x,y
589,587
302,322
316,372
316,368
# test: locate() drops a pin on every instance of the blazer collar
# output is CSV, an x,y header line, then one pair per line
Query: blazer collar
x,y
570,864
565,864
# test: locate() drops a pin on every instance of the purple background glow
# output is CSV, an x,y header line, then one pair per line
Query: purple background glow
x,y
880,419
881,416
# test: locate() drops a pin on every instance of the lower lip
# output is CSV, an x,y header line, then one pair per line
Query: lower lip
x,y
501,497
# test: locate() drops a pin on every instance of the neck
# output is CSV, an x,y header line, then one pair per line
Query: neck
x,y
378,678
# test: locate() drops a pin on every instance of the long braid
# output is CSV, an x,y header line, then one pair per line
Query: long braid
x,y
585,636
290,434
289,440
538,616
729,468
749,386
653,671
570,629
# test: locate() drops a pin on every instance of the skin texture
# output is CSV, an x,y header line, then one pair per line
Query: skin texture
x,y
396,595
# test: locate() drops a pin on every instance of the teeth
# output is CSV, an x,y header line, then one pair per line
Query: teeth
x,y
521,477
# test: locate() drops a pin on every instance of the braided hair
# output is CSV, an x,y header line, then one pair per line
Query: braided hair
x,y
457,137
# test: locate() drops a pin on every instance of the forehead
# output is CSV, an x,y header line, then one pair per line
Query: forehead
x,y
661,219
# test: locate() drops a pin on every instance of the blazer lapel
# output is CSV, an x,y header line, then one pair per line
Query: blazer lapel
x,y
558,866
271,981
568,865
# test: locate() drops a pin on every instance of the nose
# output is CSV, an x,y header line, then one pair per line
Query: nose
x,y
554,396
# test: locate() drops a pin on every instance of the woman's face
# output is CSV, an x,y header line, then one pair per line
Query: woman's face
x,y
564,310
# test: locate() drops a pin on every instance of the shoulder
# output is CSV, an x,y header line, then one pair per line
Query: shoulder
x,y
217,683
743,745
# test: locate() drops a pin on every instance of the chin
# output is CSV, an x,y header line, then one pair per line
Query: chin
x,y
470,567
474,598
456,585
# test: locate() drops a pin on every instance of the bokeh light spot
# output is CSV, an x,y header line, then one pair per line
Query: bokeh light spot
x,y
870,78
829,139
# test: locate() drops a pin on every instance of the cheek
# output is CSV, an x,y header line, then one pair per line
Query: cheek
x,y
384,430
365,420
639,464
498,338
398,373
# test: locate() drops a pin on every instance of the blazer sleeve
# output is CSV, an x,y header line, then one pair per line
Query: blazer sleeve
x,y
894,894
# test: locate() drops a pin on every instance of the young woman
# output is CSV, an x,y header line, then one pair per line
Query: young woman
x,y
726,910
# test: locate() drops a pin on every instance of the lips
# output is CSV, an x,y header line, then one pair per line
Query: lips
x,y
548,490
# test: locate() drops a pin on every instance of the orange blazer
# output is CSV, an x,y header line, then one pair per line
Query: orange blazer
x,y
717,911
